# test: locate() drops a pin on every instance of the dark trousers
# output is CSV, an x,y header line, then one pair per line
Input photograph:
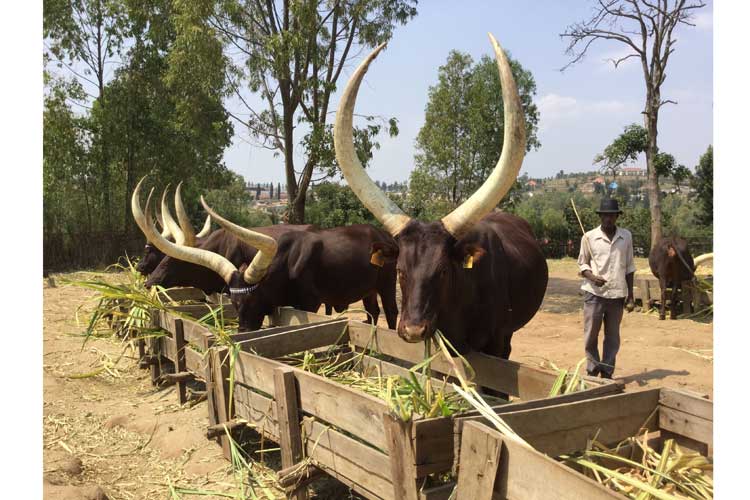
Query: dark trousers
x,y
595,311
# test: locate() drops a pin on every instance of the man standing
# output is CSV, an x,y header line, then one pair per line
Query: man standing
x,y
606,263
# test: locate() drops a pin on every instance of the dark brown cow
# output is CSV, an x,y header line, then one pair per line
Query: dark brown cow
x,y
302,269
671,262
476,275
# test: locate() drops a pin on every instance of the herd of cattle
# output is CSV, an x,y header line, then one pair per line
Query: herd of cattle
x,y
478,275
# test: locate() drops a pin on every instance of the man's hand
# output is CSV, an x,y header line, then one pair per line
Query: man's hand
x,y
629,304
597,280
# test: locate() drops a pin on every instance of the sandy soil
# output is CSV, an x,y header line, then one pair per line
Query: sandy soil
x,y
114,434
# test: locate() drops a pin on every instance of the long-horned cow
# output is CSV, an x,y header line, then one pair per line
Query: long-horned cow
x,y
476,275
183,233
298,268
671,262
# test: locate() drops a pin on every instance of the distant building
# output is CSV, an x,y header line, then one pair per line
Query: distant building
x,y
632,172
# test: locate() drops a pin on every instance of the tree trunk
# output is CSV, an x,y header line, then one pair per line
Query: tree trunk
x,y
652,114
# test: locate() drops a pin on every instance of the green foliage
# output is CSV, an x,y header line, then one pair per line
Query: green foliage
x,y
680,174
155,115
664,164
292,55
703,183
625,148
462,137
332,205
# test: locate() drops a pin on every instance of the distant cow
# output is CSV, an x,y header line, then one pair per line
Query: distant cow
x,y
671,262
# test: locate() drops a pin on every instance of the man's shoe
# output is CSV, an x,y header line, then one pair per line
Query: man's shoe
x,y
606,375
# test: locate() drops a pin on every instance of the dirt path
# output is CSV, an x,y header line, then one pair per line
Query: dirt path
x,y
115,431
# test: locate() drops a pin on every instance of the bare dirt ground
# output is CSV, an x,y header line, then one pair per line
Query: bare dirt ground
x,y
112,433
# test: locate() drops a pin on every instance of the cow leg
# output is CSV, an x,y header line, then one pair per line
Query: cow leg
x,y
673,305
390,307
371,306
663,305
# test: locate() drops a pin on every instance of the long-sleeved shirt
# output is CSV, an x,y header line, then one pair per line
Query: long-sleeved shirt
x,y
611,260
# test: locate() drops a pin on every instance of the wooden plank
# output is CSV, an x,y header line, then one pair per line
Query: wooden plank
x,y
480,457
687,403
211,396
195,362
183,293
401,454
370,365
284,316
502,375
432,440
526,474
343,457
180,361
265,332
346,408
361,467
299,339
223,406
565,428
287,413
684,424
198,311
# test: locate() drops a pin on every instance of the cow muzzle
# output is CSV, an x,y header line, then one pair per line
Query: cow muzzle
x,y
412,333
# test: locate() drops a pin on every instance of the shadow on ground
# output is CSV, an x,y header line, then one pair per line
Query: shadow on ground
x,y
563,296
643,377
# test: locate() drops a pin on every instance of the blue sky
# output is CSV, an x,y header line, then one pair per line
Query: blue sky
x,y
581,110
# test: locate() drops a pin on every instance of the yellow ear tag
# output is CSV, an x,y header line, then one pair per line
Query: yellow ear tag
x,y
469,261
377,259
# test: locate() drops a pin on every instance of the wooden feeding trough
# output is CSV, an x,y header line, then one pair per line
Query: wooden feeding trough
x,y
491,466
646,289
347,433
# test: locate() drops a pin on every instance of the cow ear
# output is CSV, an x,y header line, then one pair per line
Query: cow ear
x,y
383,253
470,254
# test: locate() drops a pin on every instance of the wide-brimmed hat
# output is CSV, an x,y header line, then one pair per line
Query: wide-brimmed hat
x,y
609,206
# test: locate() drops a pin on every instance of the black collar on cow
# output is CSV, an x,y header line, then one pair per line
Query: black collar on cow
x,y
244,290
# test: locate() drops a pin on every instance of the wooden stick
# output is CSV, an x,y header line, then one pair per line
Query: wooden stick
x,y
176,378
401,455
216,430
182,374
290,435
299,475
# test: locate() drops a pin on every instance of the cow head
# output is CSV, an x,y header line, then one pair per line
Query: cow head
x,y
432,256
244,283
152,256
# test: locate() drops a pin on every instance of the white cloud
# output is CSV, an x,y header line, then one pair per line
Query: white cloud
x,y
554,108
704,20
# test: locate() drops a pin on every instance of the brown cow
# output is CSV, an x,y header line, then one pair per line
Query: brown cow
x,y
671,262
476,275
302,269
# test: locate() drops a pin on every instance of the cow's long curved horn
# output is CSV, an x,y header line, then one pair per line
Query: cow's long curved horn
x,y
265,244
165,232
169,221
206,228
182,216
211,260
504,175
392,217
